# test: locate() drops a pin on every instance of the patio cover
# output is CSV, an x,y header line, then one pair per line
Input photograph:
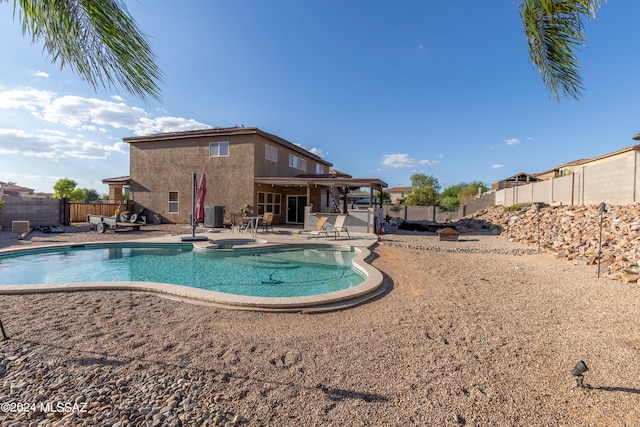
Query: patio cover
x,y
343,184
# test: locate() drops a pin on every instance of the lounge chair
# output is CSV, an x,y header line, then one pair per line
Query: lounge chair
x,y
315,231
339,227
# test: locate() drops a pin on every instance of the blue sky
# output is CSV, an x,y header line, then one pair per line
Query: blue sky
x,y
379,89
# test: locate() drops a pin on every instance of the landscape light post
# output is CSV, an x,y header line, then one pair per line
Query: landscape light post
x,y
538,207
601,209
4,334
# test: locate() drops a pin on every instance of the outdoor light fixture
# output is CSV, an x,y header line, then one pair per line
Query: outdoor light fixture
x,y
577,372
538,206
4,334
602,209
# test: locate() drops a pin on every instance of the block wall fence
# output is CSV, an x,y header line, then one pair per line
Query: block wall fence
x,y
38,211
615,182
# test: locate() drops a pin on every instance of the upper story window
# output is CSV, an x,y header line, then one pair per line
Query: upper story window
x,y
319,169
219,149
297,162
271,153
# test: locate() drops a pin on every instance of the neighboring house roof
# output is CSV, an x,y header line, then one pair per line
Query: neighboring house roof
x,y
613,153
339,173
397,189
218,131
521,178
580,162
572,163
16,190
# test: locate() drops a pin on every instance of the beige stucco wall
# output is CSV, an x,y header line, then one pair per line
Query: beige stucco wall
x,y
268,168
156,168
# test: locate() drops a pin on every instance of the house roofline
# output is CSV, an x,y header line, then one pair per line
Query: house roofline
x,y
218,131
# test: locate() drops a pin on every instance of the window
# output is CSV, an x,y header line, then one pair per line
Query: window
x,y
173,202
269,202
271,153
297,162
219,149
319,169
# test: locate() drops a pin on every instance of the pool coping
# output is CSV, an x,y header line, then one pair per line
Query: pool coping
x,y
369,288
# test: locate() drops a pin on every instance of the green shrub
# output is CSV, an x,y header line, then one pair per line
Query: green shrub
x,y
518,206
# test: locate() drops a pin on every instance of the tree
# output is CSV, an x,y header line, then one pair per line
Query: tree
x,y
424,190
423,196
386,197
91,195
420,180
97,39
471,190
464,191
555,30
449,204
65,187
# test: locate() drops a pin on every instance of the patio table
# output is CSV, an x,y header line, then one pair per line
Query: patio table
x,y
252,224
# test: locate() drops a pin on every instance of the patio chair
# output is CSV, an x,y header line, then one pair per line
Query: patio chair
x,y
245,224
339,227
315,231
267,221
236,223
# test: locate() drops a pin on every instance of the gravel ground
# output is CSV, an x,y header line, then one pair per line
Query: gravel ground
x,y
478,332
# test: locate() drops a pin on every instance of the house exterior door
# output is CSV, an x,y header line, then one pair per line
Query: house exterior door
x,y
295,209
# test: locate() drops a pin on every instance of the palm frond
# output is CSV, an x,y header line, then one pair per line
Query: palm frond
x,y
555,31
97,39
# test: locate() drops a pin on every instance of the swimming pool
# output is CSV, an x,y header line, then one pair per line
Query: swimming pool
x,y
269,272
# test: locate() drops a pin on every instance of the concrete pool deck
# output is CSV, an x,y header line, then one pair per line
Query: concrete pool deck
x,y
371,287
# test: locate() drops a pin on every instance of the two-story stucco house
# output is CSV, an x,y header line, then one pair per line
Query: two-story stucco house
x,y
245,168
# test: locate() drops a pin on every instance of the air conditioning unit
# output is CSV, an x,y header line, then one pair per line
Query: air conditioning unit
x,y
214,216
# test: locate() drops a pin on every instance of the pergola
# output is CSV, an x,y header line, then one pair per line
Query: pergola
x,y
343,184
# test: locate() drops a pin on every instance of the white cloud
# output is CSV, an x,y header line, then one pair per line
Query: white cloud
x,y
77,112
29,99
404,161
318,152
150,125
91,114
512,141
51,146
41,74
497,166
76,127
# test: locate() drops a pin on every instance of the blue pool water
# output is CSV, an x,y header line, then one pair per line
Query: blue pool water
x,y
256,272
